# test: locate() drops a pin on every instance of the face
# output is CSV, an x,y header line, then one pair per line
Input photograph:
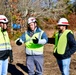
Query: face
x,y
61,28
32,26
3,25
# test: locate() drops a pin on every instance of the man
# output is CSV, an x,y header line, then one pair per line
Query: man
x,y
34,39
65,46
5,47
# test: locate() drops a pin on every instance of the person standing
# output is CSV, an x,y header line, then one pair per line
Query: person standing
x,y
5,47
34,39
65,45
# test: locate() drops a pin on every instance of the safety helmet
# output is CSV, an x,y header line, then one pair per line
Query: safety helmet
x,y
63,21
3,19
31,19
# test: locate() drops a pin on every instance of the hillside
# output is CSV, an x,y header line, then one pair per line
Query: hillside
x,y
18,67
18,11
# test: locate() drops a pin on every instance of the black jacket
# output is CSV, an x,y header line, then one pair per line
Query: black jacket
x,y
70,48
5,54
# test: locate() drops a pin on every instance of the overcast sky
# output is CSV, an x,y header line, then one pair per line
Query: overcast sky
x,y
72,0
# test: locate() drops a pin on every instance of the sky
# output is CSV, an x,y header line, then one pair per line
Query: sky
x,y
56,0
72,0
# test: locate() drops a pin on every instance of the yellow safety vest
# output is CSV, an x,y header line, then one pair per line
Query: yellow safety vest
x,y
30,45
60,45
4,41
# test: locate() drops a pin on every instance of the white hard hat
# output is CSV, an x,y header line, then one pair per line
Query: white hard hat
x,y
3,19
31,19
63,21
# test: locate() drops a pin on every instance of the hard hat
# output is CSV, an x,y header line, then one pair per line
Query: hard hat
x,y
3,19
63,21
31,19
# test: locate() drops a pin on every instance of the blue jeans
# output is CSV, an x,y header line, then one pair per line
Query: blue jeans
x,y
3,67
34,64
64,66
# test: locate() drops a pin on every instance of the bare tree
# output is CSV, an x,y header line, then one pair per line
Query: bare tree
x,y
2,6
47,8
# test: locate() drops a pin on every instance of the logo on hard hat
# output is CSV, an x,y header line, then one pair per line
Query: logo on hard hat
x,y
32,19
64,22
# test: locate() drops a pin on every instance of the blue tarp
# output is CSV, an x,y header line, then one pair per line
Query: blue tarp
x,y
16,26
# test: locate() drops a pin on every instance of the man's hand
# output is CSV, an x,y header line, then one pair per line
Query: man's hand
x,y
10,56
10,60
18,42
35,40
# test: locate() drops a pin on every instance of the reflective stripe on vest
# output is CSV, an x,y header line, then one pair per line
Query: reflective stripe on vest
x,y
60,45
4,41
29,43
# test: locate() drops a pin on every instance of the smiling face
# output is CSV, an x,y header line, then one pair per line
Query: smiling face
x,y
32,26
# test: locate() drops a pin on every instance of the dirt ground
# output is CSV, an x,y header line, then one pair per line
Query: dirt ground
x,y
18,67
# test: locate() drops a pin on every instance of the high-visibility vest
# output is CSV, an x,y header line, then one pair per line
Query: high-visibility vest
x,y
60,44
4,41
29,43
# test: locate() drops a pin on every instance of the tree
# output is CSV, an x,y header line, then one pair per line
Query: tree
x,y
2,6
47,8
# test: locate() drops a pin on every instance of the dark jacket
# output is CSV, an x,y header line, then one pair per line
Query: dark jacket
x,y
70,48
5,54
